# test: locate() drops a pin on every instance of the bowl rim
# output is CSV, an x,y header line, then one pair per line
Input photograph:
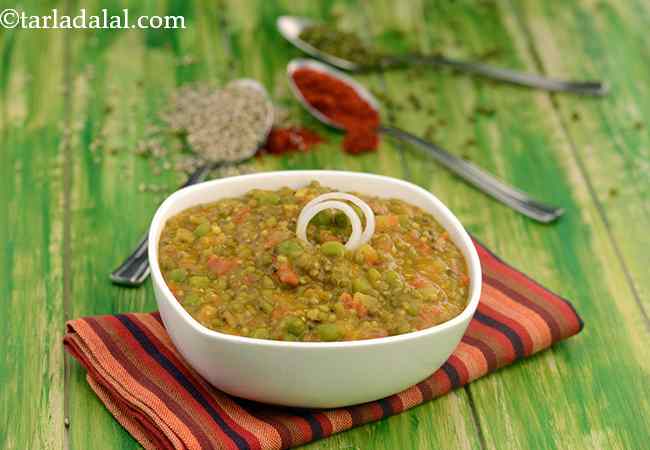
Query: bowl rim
x,y
473,264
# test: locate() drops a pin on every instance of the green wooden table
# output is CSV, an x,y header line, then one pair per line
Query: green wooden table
x,y
74,104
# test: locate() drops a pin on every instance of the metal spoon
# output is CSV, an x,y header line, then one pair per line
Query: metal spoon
x,y
135,268
290,27
514,198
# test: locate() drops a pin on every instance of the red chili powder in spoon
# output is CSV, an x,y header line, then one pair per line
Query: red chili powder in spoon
x,y
339,102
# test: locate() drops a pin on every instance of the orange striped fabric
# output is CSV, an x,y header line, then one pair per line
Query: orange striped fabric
x,y
137,373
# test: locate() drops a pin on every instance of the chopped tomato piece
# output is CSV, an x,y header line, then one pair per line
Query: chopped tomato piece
x,y
385,222
361,310
428,316
287,275
372,259
354,304
420,282
378,207
346,298
241,215
221,266
423,248
249,279
175,288
369,254
279,312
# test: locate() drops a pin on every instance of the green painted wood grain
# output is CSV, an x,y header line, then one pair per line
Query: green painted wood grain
x,y
610,138
121,79
572,396
31,235
577,395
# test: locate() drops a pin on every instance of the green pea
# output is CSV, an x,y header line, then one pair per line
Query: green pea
x,y
178,275
199,281
332,248
202,229
295,326
361,285
341,220
290,247
323,218
393,279
268,198
328,332
267,282
266,306
374,275
412,309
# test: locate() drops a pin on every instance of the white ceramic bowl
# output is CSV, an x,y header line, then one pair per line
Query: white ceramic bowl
x,y
320,374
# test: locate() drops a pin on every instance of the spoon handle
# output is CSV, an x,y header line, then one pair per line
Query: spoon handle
x,y
135,268
597,88
514,198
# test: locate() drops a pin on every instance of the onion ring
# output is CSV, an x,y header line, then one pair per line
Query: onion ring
x,y
309,212
369,230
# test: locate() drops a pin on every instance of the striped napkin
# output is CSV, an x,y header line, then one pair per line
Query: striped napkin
x,y
137,373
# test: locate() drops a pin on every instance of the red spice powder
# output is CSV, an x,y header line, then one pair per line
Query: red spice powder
x,y
284,140
342,105
359,140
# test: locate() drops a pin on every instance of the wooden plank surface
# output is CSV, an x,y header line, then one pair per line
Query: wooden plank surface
x,y
610,139
31,237
121,80
537,403
589,155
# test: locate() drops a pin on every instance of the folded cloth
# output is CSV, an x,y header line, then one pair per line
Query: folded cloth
x,y
135,370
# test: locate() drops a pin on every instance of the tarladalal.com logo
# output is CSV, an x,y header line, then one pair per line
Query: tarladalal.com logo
x,y
13,18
